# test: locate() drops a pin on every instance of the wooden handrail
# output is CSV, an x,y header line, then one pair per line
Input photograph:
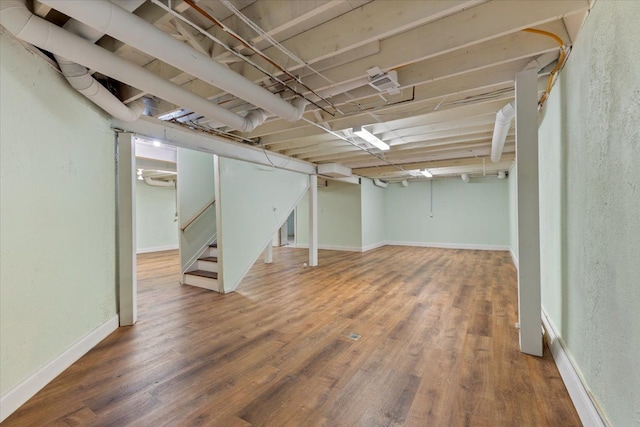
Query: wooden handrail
x,y
197,215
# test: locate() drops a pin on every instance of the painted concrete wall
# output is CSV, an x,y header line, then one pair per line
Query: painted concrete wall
x,y
592,123
373,215
473,215
196,188
56,186
339,217
156,222
254,203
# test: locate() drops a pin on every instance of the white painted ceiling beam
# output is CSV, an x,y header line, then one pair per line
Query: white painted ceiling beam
x,y
427,94
425,165
473,26
180,136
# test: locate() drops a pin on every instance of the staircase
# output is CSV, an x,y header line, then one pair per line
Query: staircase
x,y
206,273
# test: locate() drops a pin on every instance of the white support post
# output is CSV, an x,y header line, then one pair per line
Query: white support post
x,y
126,224
268,253
529,300
313,220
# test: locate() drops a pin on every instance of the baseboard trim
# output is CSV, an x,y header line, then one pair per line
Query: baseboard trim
x,y
330,247
584,401
157,249
18,395
469,246
514,258
373,246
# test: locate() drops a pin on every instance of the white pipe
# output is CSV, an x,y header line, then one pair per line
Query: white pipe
x,y
379,183
158,182
81,80
18,20
134,31
504,116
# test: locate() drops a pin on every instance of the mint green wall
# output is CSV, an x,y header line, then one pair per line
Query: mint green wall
x,y
373,217
474,214
156,226
339,217
57,223
592,122
513,212
196,188
551,181
254,203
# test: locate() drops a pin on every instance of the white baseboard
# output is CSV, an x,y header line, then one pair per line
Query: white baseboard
x,y
584,401
18,395
514,258
471,246
157,249
330,247
373,246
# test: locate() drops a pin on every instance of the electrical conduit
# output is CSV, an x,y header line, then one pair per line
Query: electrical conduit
x,y
18,20
136,32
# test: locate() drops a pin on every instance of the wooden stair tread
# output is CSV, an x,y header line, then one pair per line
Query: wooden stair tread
x,y
203,273
209,258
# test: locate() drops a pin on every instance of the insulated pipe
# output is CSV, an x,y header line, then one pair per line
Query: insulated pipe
x,y
81,80
136,32
504,116
158,182
18,20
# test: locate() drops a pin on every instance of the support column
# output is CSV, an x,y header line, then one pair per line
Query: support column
x,y
126,228
268,253
529,300
313,220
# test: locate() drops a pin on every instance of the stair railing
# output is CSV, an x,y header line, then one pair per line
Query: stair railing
x,y
197,215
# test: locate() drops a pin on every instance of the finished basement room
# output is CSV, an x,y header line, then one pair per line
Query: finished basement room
x,y
319,213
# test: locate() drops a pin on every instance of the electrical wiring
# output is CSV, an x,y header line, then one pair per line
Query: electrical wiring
x,y
561,59
261,54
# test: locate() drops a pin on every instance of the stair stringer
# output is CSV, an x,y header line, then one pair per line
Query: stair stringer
x,y
189,266
257,198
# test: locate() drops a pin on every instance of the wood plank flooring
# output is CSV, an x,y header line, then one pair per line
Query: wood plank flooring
x,y
438,347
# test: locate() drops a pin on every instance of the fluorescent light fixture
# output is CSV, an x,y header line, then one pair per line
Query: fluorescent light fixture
x,y
426,173
369,137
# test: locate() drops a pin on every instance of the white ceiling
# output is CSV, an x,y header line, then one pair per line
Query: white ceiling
x,y
455,60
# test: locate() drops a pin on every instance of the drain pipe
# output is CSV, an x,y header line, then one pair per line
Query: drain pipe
x,y
140,34
504,116
81,80
20,22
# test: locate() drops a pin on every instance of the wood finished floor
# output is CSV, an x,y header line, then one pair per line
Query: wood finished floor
x,y
438,348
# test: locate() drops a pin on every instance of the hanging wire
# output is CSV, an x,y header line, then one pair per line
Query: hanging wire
x,y
561,59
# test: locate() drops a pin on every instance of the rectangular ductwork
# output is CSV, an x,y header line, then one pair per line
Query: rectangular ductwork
x,y
334,170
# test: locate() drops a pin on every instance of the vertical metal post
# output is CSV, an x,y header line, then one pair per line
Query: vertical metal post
x,y
529,300
126,223
313,220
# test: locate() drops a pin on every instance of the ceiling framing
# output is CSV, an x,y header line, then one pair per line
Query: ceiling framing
x,y
455,60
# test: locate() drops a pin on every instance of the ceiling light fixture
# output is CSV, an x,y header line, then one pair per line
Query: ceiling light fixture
x,y
427,173
371,138
157,143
